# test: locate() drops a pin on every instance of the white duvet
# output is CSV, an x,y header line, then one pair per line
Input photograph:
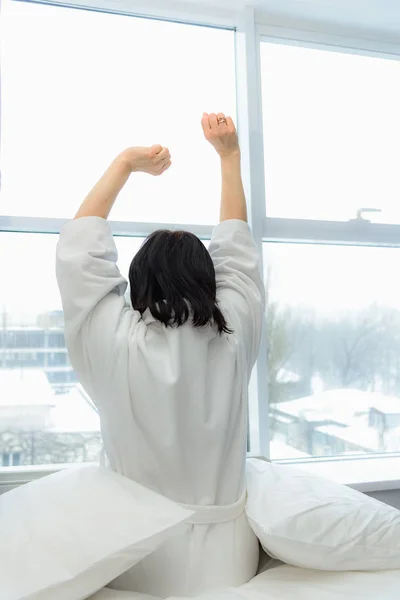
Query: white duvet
x,y
288,583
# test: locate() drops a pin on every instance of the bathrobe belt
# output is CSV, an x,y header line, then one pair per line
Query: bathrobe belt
x,y
210,515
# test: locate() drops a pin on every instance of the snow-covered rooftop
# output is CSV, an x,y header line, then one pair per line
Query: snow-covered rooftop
x,y
365,437
25,387
342,406
30,388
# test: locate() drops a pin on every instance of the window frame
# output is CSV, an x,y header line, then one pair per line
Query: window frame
x,y
178,11
354,231
251,31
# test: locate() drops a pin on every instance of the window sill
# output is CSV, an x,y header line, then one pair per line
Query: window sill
x,y
374,473
14,476
365,474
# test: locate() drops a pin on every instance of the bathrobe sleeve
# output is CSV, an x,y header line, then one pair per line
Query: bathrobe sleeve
x,y
240,287
97,317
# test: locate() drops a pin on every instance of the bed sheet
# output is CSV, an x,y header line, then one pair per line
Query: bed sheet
x,y
285,583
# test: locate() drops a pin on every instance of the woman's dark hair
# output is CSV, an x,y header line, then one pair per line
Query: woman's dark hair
x,y
173,276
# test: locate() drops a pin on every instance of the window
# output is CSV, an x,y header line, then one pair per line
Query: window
x,y
333,316
72,107
334,346
86,104
330,120
11,459
43,408
331,124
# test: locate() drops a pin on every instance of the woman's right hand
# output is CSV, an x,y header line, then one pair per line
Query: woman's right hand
x,y
222,136
153,160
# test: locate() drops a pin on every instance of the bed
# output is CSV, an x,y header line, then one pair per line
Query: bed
x,y
284,582
77,531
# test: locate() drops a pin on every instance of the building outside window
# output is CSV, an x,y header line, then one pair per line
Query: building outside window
x,y
11,459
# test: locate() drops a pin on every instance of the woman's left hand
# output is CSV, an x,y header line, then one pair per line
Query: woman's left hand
x,y
154,161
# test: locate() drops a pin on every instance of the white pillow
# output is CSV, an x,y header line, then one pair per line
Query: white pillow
x,y
311,522
67,535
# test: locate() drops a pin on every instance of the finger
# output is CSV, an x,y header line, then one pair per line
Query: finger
x,y
205,123
163,154
230,123
213,121
156,149
166,166
221,116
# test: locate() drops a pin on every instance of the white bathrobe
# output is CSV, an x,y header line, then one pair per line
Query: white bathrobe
x,y
172,401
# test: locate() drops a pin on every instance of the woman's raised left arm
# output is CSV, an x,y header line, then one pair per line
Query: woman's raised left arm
x,y
97,316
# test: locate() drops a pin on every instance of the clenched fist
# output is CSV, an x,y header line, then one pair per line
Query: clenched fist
x,y
154,160
220,131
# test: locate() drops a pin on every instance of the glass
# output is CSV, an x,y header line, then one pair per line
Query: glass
x,y
331,125
45,415
333,326
69,107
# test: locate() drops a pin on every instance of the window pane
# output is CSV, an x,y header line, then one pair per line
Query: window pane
x,y
45,415
331,124
69,108
334,349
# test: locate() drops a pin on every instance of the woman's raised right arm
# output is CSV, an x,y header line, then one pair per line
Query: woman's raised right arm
x,y
220,131
240,287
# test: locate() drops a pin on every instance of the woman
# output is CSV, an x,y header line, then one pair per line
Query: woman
x,y
169,374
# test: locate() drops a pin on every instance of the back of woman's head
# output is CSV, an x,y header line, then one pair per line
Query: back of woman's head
x,y
173,276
